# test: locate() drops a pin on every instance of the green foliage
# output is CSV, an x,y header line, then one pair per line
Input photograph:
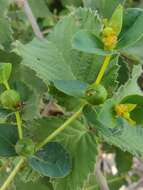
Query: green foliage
x,y
77,88
64,96
101,6
88,42
44,161
133,34
116,20
5,71
41,53
9,137
5,32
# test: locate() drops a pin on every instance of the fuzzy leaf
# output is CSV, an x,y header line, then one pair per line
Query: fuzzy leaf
x,y
133,34
101,6
129,18
72,88
52,161
5,32
87,42
124,136
79,142
4,113
84,66
131,87
44,58
110,79
40,8
8,139
127,138
39,184
4,7
117,19
137,112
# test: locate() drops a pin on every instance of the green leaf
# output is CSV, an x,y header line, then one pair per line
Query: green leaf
x,y
27,174
117,19
72,88
40,8
41,184
133,34
80,142
5,72
44,58
123,72
129,18
70,103
31,89
5,32
52,160
8,139
84,66
110,79
4,7
137,113
101,6
4,113
134,52
124,136
9,57
107,113
87,42
131,87
66,3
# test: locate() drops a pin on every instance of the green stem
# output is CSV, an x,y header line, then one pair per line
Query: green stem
x,y
75,115
102,70
6,85
61,128
19,124
12,175
17,115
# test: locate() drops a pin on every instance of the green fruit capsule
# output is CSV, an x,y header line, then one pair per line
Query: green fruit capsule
x,y
10,99
96,95
25,147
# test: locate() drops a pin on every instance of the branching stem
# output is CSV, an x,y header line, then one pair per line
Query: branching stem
x,y
61,128
76,114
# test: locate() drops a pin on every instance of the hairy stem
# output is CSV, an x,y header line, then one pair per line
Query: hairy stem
x,y
103,69
17,115
12,175
61,128
31,18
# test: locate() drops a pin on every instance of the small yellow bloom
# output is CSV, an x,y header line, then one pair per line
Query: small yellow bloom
x,y
123,110
110,42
